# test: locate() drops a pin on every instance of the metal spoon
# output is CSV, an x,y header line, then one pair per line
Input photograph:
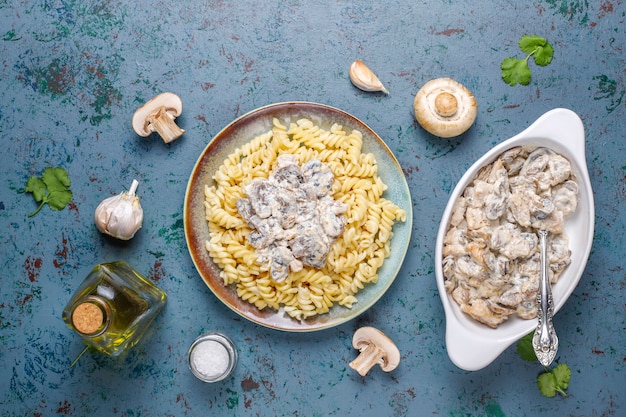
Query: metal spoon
x,y
545,341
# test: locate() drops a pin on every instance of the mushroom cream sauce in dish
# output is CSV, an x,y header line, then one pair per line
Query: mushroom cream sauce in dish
x,y
472,345
203,190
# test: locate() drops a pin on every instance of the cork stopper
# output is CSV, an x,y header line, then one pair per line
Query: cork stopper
x,y
88,318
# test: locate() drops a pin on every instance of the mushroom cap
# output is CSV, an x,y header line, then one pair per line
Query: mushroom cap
x,y
370,335
445,107
168,101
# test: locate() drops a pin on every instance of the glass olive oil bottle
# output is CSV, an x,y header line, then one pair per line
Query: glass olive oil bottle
x,y
113,307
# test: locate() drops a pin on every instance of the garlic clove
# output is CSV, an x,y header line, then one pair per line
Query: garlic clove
x,y
363,78
120,216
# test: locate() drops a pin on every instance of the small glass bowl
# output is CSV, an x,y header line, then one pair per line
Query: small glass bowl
x,y
212,357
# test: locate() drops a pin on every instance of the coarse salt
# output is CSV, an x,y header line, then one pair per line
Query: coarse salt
x,y
210,359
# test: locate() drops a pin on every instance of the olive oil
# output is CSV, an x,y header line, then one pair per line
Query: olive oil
x,y
113,307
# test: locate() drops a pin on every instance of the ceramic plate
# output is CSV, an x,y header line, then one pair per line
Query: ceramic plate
x,y
471,345
242,131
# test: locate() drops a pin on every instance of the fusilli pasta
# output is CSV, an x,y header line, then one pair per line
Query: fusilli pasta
x,y
355,257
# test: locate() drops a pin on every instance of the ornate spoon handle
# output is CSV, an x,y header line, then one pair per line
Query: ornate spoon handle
x,y
545,341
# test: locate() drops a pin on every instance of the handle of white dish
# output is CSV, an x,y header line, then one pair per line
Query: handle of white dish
x,y
471,351
551,122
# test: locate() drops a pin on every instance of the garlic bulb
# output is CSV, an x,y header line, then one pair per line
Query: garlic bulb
x,y
362,77
120,216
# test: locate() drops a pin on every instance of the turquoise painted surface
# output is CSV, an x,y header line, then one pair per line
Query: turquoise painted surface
x,y
73,72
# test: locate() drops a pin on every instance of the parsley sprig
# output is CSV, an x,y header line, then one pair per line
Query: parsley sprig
x,y
52,188
555,380
550,381
516,71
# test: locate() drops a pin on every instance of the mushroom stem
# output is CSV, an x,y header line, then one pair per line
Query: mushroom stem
x,y
370,355
163,123
446,104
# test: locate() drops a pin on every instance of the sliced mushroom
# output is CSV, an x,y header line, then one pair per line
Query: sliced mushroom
x,y
376,349
158,115
445,107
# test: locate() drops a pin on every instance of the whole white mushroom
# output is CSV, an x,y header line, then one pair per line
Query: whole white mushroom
x,y
445,107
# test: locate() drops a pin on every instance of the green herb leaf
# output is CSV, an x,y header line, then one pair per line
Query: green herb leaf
x,y
529,43
556,380
515,71
543,55
525,348
57,200
52,189
562,374
547,384
56,179
36,186
538,47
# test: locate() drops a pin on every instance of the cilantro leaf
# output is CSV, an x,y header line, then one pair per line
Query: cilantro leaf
x,y
52,189
529,43
547,384
543,54
57,200
36,186
538,47
556,380
525,348
515,71
562,374
56,179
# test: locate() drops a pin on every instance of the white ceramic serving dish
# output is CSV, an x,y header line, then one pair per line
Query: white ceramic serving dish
x,y
471,345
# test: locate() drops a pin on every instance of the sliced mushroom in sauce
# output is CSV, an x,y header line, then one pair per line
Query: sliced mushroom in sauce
x,y
293,217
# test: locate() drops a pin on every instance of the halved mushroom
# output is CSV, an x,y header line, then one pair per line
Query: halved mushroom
x,y
158,115
376,348
445,107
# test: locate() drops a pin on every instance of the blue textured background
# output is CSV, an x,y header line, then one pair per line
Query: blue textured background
x,y
73,72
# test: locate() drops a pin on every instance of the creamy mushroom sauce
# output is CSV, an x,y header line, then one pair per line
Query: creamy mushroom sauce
x,y
293,217
491,251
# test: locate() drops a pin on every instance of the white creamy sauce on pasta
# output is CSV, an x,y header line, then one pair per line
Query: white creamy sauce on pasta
x,y
355,256
293,217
